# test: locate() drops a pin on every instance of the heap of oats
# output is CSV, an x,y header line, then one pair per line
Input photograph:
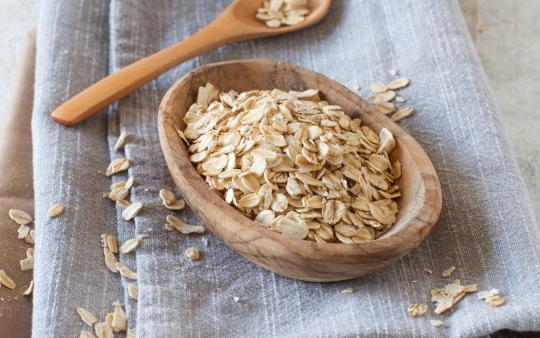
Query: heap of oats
x,y
276,13
295,163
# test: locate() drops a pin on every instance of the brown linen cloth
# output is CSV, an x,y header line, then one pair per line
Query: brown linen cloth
x,y
16,191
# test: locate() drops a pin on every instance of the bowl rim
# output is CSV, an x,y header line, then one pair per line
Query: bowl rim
x,y
406,238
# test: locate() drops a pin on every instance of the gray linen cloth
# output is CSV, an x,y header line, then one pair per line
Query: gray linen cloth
x,y
486,228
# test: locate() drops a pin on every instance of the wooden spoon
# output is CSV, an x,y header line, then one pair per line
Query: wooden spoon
x,y
420,204
236,23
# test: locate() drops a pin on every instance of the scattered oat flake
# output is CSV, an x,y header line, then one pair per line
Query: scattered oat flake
x,y
347,290
29,290
402,113
398,83
119,319
133,210
129,245
448,272
119,193
133,291
55,210
449,295
110,260
30,238
27,263
184,228
6,281
117,165
112,243
125,271
129,183
103,330
438,323
429,271
19,216
492,297
385,108
167,196
383,97
193,253
86,316
23,231
414,310
121,142
178,204
378,87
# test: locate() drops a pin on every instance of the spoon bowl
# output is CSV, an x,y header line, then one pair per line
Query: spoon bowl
x,y
419,205
244,12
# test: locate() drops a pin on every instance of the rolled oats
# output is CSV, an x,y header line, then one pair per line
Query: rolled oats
x,y
125,271
129,245
176,223
276,13
123,203
402,113
29,290
170,201
110,260
117,165
447,297
378,87
6,281
23,231
86,316
398,83
492,297
55,210
19,216
119,319
133,291
103,330
131,211
295,163
27,263
112,243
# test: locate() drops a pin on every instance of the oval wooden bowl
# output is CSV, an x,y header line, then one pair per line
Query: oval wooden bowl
x,y
420,204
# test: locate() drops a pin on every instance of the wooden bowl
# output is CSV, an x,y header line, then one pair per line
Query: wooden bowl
x,y
420,204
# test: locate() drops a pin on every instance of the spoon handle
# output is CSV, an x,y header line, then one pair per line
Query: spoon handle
x,y
118,85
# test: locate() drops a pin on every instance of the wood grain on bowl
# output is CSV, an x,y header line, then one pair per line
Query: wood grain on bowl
x,y
419,206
